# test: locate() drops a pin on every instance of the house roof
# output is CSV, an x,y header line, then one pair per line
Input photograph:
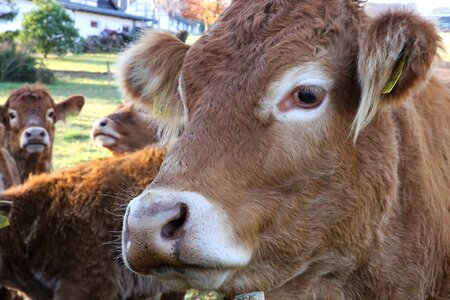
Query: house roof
x,y
105,11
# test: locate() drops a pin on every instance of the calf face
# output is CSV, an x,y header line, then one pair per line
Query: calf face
x,y
311,134
125,130
29,116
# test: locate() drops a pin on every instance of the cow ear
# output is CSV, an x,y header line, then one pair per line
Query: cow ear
x,y
148,73
396,51
70,106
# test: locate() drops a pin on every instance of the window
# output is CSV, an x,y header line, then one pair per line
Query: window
x,y
94,24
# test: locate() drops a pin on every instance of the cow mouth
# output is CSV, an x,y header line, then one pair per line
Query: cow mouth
x,y
105,140
35,147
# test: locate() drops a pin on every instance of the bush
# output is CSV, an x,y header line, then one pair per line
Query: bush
x,y
20,66
46,76
17,65
50,28
9,37
110,41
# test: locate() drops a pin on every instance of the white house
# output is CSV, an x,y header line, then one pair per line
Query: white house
x,y
93,16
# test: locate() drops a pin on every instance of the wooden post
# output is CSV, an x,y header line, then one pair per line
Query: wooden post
x,y
251,296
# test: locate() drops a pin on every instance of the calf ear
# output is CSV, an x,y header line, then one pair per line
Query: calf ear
x,y
70,106
396,51
148,73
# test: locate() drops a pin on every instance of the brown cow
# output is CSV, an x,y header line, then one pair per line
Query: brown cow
x,y
62,241
315,158
29,116
125,130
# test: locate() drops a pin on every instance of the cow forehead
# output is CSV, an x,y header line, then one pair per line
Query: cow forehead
x,y
256,41
32,103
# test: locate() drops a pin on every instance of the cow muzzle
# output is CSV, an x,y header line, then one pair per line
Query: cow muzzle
x,y
182,238
34,139
104,134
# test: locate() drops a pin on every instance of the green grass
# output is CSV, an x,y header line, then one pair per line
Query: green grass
x,y
72,141
94,63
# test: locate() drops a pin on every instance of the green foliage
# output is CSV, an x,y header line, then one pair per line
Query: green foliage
x,y
50,28
9,37
16,65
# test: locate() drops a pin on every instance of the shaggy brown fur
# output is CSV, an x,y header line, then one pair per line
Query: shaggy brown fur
x,y
324,215
125,130
31,106
9,174
62,242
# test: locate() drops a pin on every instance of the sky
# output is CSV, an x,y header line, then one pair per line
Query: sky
x,y
423,6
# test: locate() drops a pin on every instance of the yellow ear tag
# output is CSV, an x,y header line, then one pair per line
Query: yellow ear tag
x,y
159,109
4,221
396,74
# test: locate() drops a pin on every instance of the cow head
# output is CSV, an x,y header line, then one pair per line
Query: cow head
x,y
29,116
126,129
287,166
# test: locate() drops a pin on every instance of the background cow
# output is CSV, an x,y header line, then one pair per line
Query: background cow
x,y
62,241
125,130
29,116
314,160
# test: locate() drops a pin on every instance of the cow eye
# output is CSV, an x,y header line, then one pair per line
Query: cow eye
x,y
309,96
12,116
51,114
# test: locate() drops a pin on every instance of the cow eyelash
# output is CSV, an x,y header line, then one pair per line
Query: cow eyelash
x,y
308,97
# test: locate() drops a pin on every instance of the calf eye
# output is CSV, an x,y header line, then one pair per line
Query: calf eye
x,y
50,114
12,116
309,96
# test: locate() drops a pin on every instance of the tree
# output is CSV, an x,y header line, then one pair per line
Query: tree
x,y
8,10
206,11
50,28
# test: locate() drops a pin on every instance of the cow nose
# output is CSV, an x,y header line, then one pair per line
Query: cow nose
x,y
173,227
151,231
35,134
103,122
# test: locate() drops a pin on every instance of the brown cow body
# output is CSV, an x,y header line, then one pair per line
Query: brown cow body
x,y
125,130
62,242
314,161
29,116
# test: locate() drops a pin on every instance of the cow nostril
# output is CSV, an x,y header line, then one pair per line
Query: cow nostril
x,y
174,228
103,123
27,134
42,134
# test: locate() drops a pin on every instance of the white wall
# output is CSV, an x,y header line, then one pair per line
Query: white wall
x,y
82,20
83,23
